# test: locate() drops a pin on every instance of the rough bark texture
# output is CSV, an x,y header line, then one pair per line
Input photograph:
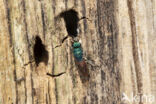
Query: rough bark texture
x,y
119,37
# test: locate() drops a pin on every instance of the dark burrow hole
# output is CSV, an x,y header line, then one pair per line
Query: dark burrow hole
x,y
40,53
71,20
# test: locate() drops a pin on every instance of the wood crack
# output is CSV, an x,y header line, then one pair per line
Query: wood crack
x,y
135,49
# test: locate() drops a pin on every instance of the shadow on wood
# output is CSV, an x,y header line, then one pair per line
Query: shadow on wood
x,y
71,20
40,53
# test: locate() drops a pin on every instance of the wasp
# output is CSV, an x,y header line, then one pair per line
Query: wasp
x,y
79,59
71,21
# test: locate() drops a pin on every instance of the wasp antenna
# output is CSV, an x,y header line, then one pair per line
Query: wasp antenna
x,y
64,39
62,42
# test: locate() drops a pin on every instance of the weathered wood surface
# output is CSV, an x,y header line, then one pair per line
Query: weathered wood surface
x,y
119,36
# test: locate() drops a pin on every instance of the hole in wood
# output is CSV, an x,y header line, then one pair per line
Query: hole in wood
x,y
71,20
40,52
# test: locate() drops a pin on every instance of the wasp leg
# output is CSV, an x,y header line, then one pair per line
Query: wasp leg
x,y
64,39
90,62
20,80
